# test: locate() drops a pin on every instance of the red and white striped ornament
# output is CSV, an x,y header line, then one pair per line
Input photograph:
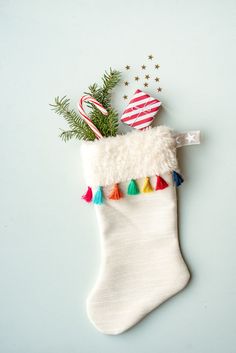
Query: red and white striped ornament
x,y
141,110
88,98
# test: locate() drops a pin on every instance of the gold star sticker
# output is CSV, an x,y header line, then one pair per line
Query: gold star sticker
x,y
126,83
125,96
157,66
143,67
136,78
145,84
127,67
150,57
157,79
159,89
147,77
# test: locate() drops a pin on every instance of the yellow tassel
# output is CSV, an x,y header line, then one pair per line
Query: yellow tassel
x,y
147,187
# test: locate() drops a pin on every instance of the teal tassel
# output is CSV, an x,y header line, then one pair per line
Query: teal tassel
x,y
133,188
98,197
177,178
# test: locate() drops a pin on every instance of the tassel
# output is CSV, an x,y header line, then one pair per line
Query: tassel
x,y
98,197
177,178
88,196
147,187
133,188
161,183
115,194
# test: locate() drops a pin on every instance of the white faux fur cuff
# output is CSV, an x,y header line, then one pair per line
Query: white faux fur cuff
x,y
134,155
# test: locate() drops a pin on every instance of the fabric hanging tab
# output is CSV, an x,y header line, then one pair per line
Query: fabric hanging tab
x,y
187,138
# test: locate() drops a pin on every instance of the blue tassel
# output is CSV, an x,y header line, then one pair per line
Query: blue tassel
x,y
177,178
98,197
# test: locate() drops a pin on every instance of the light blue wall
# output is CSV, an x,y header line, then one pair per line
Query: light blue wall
x,y
49,251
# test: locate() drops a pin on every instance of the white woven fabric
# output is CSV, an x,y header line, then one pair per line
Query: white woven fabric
x,y
141,261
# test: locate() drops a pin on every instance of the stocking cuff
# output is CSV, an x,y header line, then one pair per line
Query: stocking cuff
x,y
134,155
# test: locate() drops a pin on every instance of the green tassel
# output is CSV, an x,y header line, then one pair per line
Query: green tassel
x,y
133,188
98,197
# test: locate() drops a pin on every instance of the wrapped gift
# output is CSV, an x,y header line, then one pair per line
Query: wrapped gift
x,y
141,110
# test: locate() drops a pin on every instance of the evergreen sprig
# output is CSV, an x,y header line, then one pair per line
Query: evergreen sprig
x,y
78,128
107,125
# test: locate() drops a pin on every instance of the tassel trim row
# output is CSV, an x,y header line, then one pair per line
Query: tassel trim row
x,y
132,189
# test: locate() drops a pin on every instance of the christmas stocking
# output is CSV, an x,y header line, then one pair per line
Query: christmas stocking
x,y
132,181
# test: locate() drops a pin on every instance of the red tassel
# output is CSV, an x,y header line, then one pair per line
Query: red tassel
x,y
115,194
161,183
88,196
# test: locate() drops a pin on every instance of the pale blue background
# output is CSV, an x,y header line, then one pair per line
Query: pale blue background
x,y
50,253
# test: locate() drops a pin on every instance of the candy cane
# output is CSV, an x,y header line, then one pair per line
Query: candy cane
x,y
88,98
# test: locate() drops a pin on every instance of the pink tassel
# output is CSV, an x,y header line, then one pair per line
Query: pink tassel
x,y
88,196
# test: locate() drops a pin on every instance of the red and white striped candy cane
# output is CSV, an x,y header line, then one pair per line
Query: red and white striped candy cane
x,y
88,98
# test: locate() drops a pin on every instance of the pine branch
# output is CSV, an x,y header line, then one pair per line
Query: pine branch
x,y
110,80
103,94
107,125
78,128
67,135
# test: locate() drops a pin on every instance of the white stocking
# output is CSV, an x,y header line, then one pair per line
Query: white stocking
x,y
142,265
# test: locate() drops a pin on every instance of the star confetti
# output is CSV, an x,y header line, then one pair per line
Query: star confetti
x,y
143,75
